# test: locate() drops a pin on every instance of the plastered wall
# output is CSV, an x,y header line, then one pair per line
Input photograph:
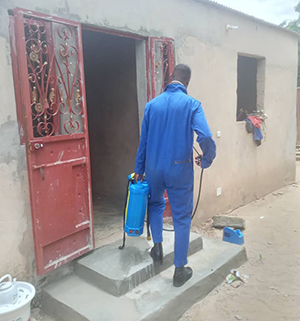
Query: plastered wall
x,y
244,171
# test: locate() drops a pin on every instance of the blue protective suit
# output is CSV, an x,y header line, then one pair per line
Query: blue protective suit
x,y
165,154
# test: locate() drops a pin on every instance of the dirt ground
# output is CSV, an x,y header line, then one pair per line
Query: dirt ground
x,y
272,291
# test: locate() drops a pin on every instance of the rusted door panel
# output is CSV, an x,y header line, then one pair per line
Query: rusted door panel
x,y
54,108
162,66
64,215
57,151
162,63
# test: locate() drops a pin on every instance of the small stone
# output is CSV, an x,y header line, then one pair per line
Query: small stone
x,y
278,193
236,284
269,243
238,317
274,289
221,221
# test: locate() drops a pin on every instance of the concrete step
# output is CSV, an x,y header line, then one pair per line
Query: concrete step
x,y
156,299
119,271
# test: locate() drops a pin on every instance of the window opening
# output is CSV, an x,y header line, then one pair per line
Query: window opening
x,y
251,85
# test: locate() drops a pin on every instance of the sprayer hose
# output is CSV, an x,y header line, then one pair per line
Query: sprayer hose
x,y
197,203
199,193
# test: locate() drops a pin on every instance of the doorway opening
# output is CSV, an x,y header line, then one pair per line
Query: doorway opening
x,y
111,80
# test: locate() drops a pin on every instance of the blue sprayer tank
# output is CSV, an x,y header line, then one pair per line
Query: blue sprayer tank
x,y
136,206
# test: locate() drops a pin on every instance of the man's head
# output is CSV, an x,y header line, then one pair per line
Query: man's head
x,y
182,73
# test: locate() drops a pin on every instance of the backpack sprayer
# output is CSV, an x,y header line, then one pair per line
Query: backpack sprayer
x,y
137,194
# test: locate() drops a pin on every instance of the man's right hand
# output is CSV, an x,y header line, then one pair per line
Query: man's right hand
x,y
138,176
198,160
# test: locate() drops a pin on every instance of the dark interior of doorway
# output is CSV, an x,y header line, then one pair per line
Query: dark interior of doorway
x,y
111,89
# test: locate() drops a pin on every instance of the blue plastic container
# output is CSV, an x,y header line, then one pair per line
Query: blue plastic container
x,y
137,200
232,236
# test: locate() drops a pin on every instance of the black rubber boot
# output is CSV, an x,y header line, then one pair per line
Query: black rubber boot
x,y
181,275
157,253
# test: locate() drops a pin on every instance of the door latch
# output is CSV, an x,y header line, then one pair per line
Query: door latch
x,y
38,145
35,145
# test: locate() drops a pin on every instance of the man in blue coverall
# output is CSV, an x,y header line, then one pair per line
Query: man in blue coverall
x,y
165,154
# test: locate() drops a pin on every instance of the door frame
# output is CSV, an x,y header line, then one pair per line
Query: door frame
x,y
146,41
150,66
115,32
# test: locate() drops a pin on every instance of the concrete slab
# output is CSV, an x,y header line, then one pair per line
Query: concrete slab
x,y
156,299
76,300
221,221
119,271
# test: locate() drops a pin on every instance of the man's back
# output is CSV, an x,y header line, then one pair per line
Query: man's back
x,y
170,121
170,134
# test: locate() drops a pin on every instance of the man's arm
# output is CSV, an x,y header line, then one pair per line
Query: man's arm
x,y
204,139
140,159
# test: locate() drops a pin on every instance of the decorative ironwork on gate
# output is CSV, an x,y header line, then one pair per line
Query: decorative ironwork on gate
x,y
162,55
54,78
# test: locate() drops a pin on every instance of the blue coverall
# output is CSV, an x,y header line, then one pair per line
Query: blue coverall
x,y
165,154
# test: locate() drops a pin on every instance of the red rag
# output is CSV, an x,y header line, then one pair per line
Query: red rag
x,y
256,121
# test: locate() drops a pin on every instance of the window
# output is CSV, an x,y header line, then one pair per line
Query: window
x,y
251,85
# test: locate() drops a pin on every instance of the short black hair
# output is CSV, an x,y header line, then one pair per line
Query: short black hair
x,y
182,73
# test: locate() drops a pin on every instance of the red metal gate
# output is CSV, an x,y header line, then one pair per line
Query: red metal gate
x,y
50,71
162,66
